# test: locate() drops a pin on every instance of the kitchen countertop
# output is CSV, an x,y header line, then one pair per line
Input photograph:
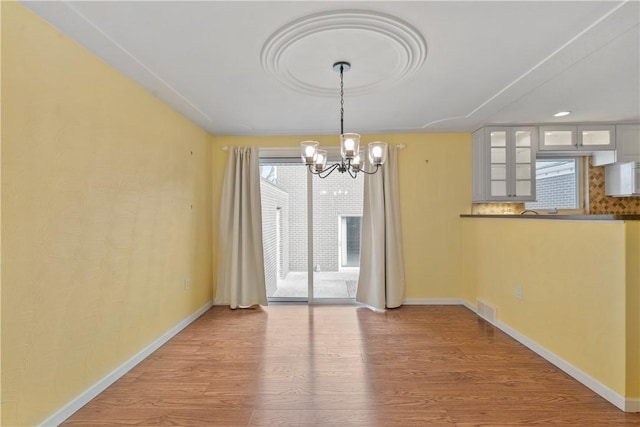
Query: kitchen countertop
x,y
612,217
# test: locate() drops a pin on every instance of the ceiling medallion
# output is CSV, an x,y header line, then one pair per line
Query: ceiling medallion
x,y
295,51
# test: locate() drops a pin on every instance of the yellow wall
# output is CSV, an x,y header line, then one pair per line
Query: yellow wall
x,y
98,180
633,308
433,194
575,280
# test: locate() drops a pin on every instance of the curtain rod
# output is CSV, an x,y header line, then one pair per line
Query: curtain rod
x,y
399,146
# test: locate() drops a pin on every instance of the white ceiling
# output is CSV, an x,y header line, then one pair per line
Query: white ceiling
x,y
261,68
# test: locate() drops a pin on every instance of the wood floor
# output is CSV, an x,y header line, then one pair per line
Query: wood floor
x,y
346,366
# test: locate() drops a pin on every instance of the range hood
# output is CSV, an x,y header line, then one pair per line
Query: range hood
x,y
622,179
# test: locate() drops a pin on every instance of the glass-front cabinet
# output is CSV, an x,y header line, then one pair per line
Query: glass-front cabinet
x,y
577,138
503,168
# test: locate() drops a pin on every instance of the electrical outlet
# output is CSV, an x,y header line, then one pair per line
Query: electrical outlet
x,y
186,283
519,292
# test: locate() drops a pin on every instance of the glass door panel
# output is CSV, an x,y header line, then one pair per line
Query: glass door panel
x,y
337,213
523,172
284,231
498,172
601,137
523,155
498,188
498,155
498,138
523,188
558,138
523,138
596,137
498,178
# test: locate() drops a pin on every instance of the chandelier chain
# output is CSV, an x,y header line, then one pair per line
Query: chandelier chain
x,y
341,100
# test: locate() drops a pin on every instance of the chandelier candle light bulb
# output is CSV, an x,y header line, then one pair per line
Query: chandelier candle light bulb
x,y
349,144
309,152
321,160
355,163
377,153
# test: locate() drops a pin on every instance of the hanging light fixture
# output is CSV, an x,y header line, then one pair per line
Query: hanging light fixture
x,y
316,159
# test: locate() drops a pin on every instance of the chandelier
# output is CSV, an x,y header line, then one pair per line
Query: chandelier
x,y
351,162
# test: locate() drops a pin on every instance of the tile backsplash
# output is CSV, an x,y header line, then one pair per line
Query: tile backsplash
x,y
599,203
496,208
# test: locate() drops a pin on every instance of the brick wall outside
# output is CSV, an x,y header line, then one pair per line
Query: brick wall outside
x,y
273,200
293,181
336,195
555,192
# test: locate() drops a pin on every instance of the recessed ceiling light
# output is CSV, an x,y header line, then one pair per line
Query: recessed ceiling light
x,y
562,113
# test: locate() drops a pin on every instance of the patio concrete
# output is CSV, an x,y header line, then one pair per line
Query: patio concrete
x,y
327,284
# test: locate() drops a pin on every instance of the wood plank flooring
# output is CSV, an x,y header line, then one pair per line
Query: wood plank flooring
x,y
298,365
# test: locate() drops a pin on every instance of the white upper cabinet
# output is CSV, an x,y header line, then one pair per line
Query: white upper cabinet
x,y
567,138
504,164
627,147
597,137
558,138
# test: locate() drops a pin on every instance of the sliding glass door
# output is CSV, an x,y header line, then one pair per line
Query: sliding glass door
x,y
311,231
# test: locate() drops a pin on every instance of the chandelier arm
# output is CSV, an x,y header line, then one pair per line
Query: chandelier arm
x,y
328,170
322,173
312,171
370,173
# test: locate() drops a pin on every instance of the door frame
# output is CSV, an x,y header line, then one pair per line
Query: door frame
x,y
287,155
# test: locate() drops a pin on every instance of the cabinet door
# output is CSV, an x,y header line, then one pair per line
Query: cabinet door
x,y
523,182
628,143
511,175
558,138
479,167
596,137
497,144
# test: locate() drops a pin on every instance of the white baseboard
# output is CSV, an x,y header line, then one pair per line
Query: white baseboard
x,y
470,306
625,404
434,301
587,380
84,398
441,301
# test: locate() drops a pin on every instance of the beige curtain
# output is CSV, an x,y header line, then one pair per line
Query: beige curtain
x,y
381,282
241,281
